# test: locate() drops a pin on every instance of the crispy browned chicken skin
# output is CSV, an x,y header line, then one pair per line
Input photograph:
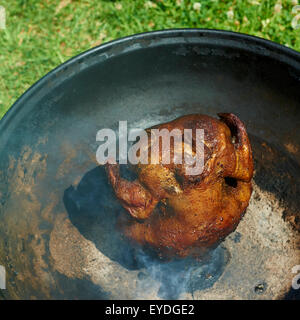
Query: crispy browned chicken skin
x,y
178,214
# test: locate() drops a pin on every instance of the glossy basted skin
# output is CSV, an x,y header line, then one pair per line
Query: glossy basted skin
x,y
177,214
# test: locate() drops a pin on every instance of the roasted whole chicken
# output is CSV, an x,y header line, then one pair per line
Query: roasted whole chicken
x,y
181,215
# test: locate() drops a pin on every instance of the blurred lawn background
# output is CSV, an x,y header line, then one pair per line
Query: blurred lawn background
x,y
39,35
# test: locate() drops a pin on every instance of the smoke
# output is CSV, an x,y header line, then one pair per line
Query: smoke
x,y
169,280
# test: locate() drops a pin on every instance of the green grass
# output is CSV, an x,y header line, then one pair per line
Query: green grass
x,y
40,35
